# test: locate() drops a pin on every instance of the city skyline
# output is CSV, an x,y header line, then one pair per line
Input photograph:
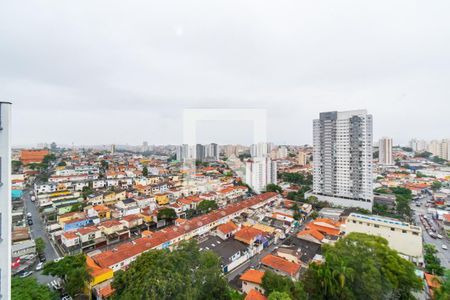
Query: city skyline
x,y
134,77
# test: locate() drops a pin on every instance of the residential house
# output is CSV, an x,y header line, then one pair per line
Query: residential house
x,y
281,266
252,280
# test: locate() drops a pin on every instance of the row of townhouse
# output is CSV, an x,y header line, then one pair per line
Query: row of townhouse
x,y
98,235
169,237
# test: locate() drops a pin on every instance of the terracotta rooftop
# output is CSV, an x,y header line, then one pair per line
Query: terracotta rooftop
x,y
280,264
251,275
227,227
124,251
255,295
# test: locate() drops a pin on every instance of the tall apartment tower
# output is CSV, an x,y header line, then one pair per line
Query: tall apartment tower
x,y
385,151
5,200
342,158
259,172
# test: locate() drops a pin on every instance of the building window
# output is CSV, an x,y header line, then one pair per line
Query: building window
x,y
376,226
392,229
403,231
415,233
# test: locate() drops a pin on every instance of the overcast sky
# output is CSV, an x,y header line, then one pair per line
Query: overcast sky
x,y
101,72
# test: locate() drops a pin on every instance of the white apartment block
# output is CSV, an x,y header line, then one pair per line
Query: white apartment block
x,y
5,200
259,172
385,151
418,145
402,237
342,158
261,149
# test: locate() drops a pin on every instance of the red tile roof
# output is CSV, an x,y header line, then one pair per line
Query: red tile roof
x,y
227,227
255,295
124,251
247,234
251,275
281,264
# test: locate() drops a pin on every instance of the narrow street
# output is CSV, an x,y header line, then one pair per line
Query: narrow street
x,y
38,230
443,255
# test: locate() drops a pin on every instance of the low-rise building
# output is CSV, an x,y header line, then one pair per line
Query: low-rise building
x,y
401,236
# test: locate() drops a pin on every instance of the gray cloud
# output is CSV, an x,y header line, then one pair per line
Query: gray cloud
x,y
116,72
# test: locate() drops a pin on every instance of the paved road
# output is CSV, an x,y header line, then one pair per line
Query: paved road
x,y
254,261
443,255
38,230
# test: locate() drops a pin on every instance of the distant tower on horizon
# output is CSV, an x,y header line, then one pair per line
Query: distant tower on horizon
x,y
342,158
385,151
113,149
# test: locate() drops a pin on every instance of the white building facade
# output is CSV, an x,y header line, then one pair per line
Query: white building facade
x,y
259,172
401,236
342,158
5,200
385,151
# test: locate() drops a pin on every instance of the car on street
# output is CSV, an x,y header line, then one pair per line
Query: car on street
x,y
26,274
58,259
439,236
42,257
29,215
444,247
30,222
39,266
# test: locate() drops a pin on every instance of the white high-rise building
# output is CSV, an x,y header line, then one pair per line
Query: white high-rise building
x,y
212,151
342,158
418,145
5,200
385,151
261,149
259,172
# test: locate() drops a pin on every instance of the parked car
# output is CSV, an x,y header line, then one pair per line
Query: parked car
x,y
39,266
26,274
439,236
444,247
42,257
30,222
58,259
29,215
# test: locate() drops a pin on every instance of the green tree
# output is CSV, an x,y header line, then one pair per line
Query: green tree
x,y
443,292
145,171
272,282
314,215
167,214
207,205
432,262
361,266
49,158
72,270
29,288
185,273
16,165
272,187
436,185
279,296
40,245
86,191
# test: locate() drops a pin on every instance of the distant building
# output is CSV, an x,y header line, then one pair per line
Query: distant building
x,y
212,152
385,151
260,172
342,158
113,149
302,159
33,156
418,145
5,202
261,149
